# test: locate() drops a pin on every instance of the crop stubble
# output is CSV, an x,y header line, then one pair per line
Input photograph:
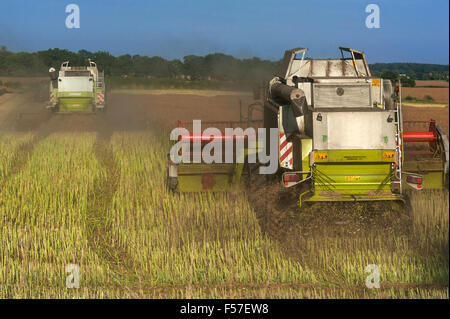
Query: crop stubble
x,y
92,192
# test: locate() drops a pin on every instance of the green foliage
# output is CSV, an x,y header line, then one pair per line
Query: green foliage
x,y
217,66
389,75
419,71
392,75
407,81
426,99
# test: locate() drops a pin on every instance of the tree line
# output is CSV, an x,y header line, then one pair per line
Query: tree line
x,y
417,71
217,66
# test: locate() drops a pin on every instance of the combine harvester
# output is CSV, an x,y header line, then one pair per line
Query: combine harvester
x,y
77,89
341,135
341,132
74,89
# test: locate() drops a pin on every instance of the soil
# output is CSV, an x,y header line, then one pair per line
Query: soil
x,y
431,83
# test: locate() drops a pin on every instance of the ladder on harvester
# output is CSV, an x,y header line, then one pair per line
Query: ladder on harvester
x,y
398,137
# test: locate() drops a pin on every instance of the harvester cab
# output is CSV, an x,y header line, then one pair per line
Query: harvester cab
x,y
77,89
341,132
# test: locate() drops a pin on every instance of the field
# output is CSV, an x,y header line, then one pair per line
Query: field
x,y
90,191
431,83
438,90
439,95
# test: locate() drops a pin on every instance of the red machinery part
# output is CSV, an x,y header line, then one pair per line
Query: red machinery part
x,y
291,178
419,136
207,138
414,179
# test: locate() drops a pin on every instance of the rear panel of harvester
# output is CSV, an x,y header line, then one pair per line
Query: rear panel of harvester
x,y
354,153
353,175
78,90
70,102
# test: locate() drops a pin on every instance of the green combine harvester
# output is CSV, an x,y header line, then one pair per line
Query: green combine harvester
x,y
77,89
72,90
341,136
341,132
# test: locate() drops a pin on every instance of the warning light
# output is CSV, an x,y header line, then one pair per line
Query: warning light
x,y
414,179
291,178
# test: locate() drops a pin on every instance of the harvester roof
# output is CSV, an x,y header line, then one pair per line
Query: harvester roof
x,y
353,66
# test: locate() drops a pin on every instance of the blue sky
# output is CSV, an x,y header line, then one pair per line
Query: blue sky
x,y
410,31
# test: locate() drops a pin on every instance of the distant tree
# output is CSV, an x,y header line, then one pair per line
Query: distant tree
x,y
194,66
407,81
390,75
175,67
217,66
86,54
105,61
123,65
